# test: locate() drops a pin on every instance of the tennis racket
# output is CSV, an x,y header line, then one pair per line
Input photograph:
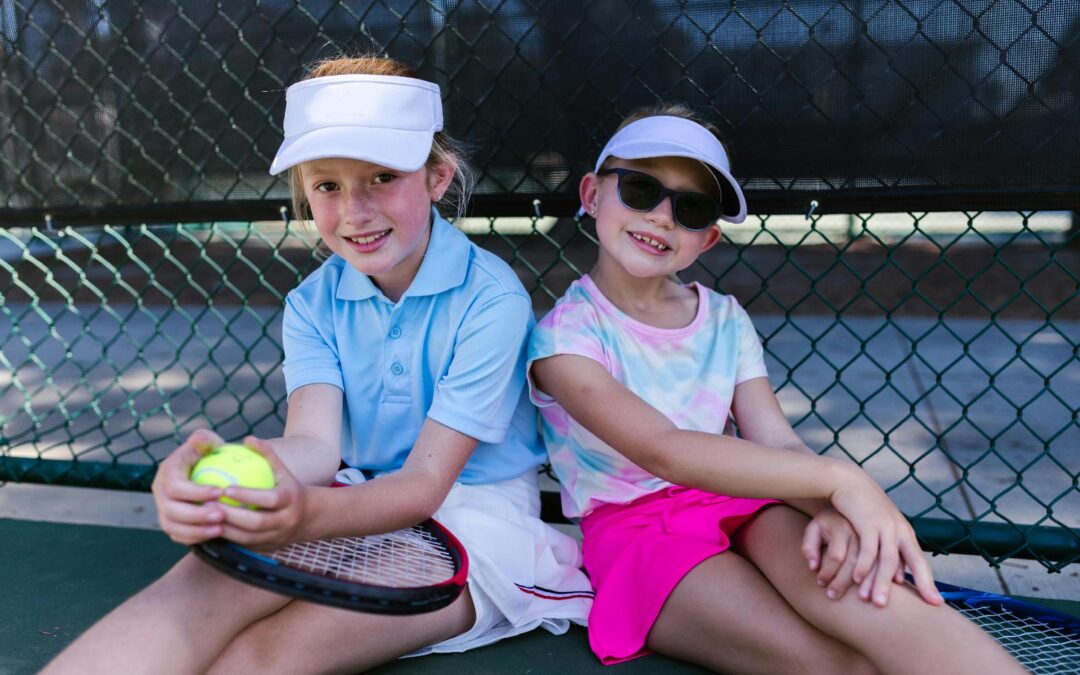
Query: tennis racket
x,y
419,569
1042,639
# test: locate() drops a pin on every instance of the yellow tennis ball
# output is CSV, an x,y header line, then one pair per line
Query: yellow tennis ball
x,y
233,464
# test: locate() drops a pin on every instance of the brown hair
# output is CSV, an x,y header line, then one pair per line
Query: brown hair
x,y
444,149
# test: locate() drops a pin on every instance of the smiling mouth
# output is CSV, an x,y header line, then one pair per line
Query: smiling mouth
x,y
371,238
650,241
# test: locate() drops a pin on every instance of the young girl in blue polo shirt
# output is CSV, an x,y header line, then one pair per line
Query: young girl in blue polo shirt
x,y
689,550
404,360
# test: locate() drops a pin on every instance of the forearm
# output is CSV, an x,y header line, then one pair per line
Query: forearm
x,y
741,468
809,506
385,504
311,460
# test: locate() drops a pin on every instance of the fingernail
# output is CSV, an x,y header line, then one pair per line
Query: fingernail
x,y
813,564
880,599
821,582
831,593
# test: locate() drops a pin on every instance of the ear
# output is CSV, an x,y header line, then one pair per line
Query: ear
x,y
712,238
588,190
439,177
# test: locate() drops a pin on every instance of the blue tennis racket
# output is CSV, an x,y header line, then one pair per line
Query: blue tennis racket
x,y
1042,639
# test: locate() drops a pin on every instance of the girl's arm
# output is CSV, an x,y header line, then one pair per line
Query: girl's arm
x,y
760,419
310,451
731,466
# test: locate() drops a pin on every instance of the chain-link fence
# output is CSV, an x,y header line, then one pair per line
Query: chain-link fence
x,y
937,346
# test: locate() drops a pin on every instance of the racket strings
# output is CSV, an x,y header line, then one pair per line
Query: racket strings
x,y
1039,646
406,558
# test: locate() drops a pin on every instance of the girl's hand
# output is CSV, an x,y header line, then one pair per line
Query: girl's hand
x,y
831,548
279,512
887,543
188,512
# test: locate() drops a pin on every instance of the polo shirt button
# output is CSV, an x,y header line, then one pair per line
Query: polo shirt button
x,y
397,369
395,332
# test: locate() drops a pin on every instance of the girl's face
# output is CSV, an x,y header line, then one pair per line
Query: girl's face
x,y
377,219
648,244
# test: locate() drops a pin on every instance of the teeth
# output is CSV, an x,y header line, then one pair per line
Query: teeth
x,y
650,241
368,239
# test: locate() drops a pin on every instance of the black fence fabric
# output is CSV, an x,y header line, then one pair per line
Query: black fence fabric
x,y
109,104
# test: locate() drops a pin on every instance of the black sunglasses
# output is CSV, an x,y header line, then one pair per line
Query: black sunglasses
x,y
641,192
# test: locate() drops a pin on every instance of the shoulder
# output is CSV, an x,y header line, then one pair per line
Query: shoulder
x,y
722,307
490,276
574,309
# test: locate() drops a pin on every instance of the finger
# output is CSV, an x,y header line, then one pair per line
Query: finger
x,y
262,539
868,554
203,441
888,560
811,544
184,490
833,559
185,513
255,497
866,586
920,571
265,449
843,579
191,534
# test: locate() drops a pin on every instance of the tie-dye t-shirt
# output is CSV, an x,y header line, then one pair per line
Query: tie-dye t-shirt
x,y
689,374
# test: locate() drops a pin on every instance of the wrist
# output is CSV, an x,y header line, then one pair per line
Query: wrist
x,y
840,474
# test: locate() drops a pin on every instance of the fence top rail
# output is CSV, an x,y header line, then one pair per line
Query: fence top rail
x,y
771,202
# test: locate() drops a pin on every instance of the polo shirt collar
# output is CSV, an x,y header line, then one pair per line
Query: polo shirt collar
x,y
445,264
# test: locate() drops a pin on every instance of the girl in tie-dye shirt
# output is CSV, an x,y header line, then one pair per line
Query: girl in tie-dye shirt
x,y
685,541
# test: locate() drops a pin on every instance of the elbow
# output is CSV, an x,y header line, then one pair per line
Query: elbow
x,y
425,496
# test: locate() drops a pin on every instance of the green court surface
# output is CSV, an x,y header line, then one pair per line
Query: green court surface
x,y
57,579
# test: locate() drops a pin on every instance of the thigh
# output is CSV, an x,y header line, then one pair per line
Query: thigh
x,y
920,637
153,632
726,615
307,638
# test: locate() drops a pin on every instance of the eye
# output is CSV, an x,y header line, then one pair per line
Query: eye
x,y
384,177
326,186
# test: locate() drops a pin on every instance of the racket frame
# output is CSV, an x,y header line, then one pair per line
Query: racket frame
x,y
260,570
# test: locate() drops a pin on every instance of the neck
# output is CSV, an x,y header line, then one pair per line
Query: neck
x,y
631,294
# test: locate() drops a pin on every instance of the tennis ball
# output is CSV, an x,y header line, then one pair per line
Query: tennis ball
x,y
233,464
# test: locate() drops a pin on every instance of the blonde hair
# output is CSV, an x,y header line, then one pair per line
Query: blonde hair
x,y
444,149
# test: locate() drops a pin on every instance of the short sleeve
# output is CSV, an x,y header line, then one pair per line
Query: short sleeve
x,y
484,383
309,356
751,356
569,328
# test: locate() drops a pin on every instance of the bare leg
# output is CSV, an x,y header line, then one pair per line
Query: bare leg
x,y
906,636
308,638
178,624
726,616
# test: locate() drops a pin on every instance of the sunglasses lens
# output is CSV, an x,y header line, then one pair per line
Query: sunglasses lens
x,y
639,191
695,211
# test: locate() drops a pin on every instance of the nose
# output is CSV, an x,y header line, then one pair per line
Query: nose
x,y
663,214
358,207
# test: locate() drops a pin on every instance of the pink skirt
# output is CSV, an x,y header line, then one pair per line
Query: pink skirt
x,y
637,553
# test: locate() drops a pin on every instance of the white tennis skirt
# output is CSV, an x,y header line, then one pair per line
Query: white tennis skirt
x,y
523,573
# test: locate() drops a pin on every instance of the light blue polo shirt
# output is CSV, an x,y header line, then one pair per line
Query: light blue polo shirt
x,y
452,349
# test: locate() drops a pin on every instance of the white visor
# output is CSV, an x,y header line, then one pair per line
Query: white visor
x,y
382,119
665,136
